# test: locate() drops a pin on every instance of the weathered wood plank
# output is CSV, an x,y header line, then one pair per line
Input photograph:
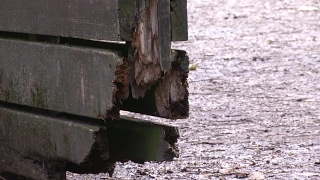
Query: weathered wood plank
x,y
66,79
87,81
127,17
68,18
179,20
164,34
40,147
100,20
140,140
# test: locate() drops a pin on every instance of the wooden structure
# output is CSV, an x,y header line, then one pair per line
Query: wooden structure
x,y
68,67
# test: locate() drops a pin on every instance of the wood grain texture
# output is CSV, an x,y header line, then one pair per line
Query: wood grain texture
x,y
164,33
68,18
151,44
99,20
56,77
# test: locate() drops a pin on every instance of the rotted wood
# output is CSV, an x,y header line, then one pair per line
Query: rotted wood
x,y
151,64
151,44
164,36
99,20
168,97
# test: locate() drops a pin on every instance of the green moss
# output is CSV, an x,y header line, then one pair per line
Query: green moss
x,y
39,98
10,94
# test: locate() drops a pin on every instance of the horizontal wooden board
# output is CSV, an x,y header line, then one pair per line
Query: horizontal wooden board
x,y
99,20
49,137
47,145
57,77
68,18
39,147
140,140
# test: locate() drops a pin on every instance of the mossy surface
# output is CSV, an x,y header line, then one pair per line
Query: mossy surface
x,y
10,94
39,97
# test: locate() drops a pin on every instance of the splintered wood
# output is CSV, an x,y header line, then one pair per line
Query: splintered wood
x,y
152,49
172,93
168,97
120,90
153,64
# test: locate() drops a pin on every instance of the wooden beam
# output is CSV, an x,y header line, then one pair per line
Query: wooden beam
x,y
164,34
67,18
88,82
74,80
140,140
127,18
41,145
100,20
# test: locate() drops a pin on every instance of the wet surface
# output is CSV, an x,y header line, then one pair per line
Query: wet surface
x,y
254,98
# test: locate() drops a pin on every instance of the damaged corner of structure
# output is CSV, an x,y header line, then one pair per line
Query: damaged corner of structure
x,y
157,75
151,38
172,92
168,96
98,159
120,89
172,135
